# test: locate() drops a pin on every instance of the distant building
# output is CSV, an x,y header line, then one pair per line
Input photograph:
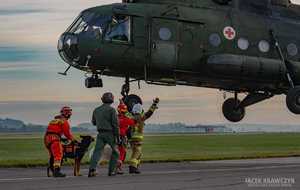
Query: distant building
x,y
182,128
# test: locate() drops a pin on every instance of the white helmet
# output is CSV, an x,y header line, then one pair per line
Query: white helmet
x,y
137,108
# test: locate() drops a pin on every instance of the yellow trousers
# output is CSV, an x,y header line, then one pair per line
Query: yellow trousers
x,y
136,154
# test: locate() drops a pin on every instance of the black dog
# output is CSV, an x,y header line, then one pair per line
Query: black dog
x,y
74,151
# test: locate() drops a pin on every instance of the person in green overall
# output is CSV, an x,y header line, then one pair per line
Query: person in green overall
x,y
137,134
106,119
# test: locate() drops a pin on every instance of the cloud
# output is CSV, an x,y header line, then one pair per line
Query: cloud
x,y
18,55
13,54
27,63
10,12
41,112
16,65
188,111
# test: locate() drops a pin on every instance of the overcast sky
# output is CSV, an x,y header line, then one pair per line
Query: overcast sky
x,y
31,89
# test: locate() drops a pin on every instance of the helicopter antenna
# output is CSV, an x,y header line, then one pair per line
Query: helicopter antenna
x,y
65,72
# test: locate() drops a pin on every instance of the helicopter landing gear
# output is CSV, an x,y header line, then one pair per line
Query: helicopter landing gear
x,y
293,100
293,95
234,109
93,81
125,88
129,99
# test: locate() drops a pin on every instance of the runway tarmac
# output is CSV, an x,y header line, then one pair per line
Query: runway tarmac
x,y
275,173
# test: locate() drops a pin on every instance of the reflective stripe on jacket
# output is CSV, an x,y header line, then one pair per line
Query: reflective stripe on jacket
x,y
138,128
60,127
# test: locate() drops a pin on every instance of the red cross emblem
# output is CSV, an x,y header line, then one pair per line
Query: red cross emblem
x,y
229,33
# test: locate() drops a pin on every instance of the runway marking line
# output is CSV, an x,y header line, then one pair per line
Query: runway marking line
x,y
222,170
31,178
158,173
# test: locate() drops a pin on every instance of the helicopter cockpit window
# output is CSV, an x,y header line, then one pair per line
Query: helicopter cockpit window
x,y
90,23
81,23
119,29
97,25
255,6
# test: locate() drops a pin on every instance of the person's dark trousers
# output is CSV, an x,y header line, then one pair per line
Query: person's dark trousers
x,y
102,140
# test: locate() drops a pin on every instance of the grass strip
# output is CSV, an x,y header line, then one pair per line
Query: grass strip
x,y
24,151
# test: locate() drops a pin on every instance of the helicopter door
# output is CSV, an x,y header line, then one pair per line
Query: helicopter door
x,y
163,51
190,46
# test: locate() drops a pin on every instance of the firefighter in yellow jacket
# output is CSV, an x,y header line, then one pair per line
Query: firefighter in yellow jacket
x,y
137,134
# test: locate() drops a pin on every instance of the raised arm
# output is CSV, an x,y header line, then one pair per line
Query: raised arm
x,y
151,110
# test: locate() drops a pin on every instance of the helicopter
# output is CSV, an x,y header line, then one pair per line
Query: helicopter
x,y
237,46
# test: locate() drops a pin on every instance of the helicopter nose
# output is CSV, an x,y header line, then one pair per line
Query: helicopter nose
x,y
68,47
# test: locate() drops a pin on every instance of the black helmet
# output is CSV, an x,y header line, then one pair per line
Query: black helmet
x,y
107,98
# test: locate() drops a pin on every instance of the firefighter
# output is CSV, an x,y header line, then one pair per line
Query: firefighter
x,y
124,123
106,120
137,134
57,127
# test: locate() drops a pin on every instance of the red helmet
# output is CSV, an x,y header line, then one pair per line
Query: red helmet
x,y
122,108
66,111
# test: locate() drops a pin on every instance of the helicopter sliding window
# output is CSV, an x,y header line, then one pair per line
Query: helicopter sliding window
x,y
255,6
119,29
222,2
282,3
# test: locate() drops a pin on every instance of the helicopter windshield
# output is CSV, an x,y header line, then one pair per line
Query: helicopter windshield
x,y
89,22
80,23
119,29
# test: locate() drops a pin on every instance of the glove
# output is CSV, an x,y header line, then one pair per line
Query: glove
x,y
155,102
74,141
64,140
118,140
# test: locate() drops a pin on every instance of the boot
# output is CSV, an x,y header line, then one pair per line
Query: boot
x,y
113,173
120,171
57,173
92,173
137,171
50,171
131,169
134,170
119,168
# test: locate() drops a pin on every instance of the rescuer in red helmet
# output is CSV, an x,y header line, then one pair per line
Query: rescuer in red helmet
x,y
124,122
57,127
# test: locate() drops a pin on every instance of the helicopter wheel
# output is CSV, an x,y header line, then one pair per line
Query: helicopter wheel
x,y
293,100
131,100
232,111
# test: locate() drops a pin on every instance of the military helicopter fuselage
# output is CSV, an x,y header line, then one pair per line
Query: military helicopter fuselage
x,y
239,46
